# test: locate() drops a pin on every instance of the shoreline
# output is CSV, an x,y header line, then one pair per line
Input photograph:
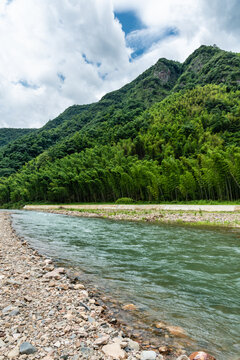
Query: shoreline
x,y
48,308
212,219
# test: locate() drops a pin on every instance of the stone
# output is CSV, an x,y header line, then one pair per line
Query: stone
x,y
160,325
129,307
63,286
148,355
201,355
14,353
79,287
27,298
133,345
55,274
27,348
48,261
114,351
2,344
14,312
165,350
7,309
91,319
103,340
176,331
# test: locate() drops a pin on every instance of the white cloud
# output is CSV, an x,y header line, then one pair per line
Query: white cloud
x,y
60,52
42,39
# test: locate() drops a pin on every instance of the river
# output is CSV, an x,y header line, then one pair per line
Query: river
x,y
185,276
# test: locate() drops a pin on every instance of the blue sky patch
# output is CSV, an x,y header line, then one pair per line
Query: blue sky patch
x,y
61,77
86,59
27,85
142,41
130,21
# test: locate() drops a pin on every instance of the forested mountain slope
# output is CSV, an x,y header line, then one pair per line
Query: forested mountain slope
x,y
8,135
148,140
116,108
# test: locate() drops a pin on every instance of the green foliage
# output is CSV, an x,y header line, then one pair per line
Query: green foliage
x,y
137,142
125,200
9,135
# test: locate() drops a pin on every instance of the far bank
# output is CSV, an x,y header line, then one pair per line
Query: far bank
x,y
206,215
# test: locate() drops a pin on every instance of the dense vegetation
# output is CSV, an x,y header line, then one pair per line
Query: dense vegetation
x,y
9,135
136,144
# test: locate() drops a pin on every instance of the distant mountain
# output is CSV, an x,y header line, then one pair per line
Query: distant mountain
x,y
8,135
171,134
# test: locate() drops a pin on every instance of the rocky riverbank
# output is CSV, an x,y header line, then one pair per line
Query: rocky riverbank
x,y
47,314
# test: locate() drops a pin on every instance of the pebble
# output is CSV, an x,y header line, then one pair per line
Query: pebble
x,y
103,340
129,307
13,353
27,348
201,355
133,345
148,355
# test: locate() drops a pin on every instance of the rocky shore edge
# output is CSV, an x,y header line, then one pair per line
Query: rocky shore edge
x,y
47,314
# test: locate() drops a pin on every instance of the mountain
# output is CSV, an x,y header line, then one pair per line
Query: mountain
x,y
114,110
171,134
210,65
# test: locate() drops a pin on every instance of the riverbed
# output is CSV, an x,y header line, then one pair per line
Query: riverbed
x,y
176,275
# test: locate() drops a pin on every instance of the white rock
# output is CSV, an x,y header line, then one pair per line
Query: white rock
x,y
14,353
114,351
57,344
2,344
148,355
133,345
103,340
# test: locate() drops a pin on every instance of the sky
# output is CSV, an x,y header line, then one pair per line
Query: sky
x,y
56,53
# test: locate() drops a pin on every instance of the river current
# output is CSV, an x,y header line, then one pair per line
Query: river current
x,y
185,276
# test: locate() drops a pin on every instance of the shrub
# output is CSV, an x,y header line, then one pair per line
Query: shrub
x,y
125,200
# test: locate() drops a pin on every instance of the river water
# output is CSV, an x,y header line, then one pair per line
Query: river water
x,y
185,276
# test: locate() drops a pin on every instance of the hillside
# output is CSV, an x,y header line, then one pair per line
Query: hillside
x,y
147,141
8,135
114,110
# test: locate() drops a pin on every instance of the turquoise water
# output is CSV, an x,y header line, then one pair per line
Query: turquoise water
x,y
185,276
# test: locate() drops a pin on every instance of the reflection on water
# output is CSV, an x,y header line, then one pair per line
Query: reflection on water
x,y
185,276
